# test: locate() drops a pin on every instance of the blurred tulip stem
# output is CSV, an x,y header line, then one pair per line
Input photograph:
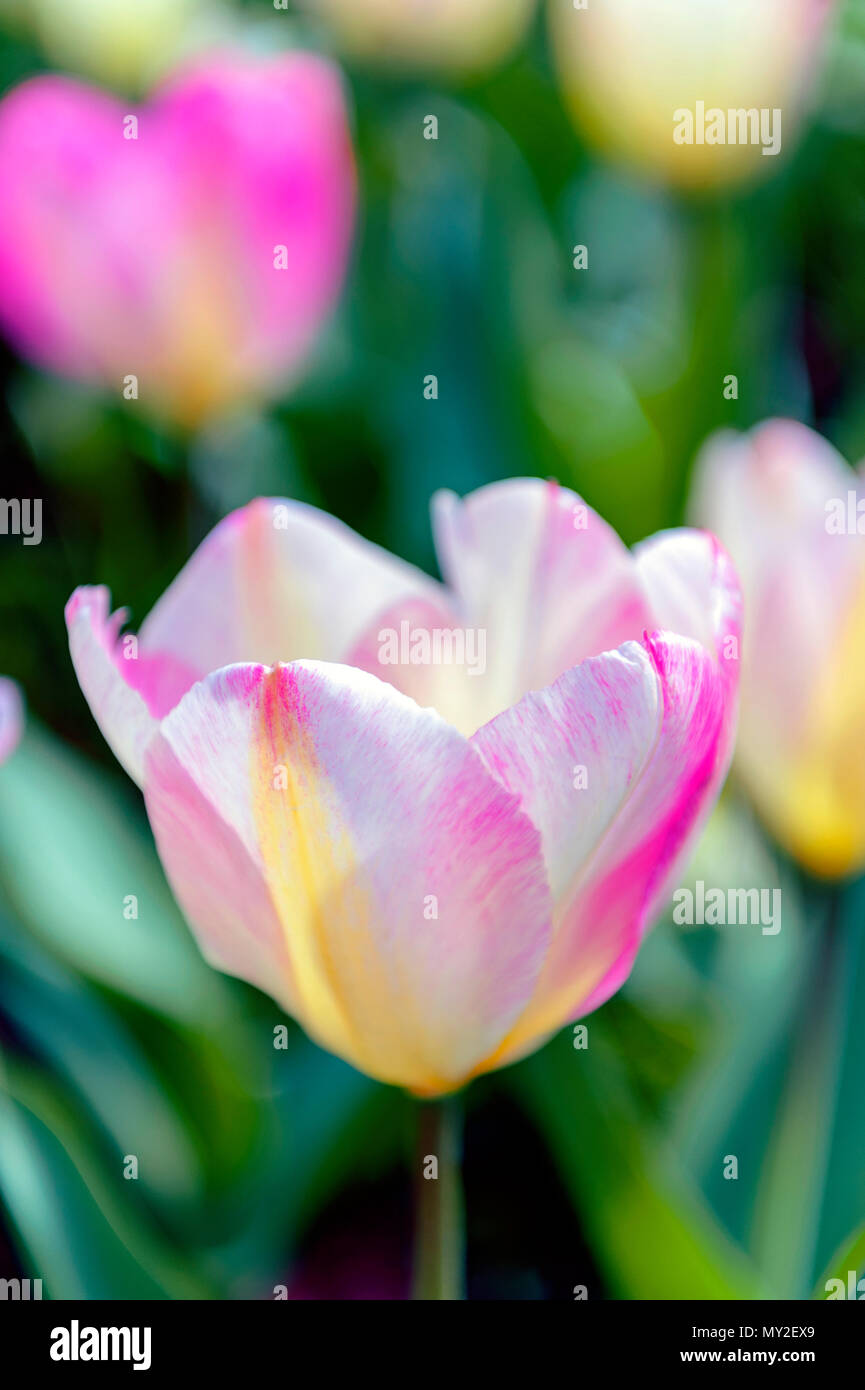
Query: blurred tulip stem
x,y
439,1244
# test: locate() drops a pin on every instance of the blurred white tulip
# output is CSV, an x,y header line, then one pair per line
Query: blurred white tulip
x,y
631,69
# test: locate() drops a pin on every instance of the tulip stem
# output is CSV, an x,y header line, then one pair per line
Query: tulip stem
x,y
439,1255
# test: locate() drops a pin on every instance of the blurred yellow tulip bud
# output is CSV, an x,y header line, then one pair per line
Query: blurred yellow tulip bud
x,y
454,34
698,93
125,45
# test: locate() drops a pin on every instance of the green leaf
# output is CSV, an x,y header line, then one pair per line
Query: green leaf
x,y
650,1230
76,1231
792,1190
70,1026
850,1257
70,855
749,988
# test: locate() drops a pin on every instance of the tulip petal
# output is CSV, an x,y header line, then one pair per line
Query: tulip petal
x,y
551,581
264,144
273,581
768,486
627,66
408,884
11,717
422,647
118,708
55,136
694,591
786,504
539,583
647,725
276,581
216,870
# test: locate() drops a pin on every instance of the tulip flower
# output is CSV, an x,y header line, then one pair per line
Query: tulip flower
x,y
785,503
11,718
431,867
633,72
458,35
186,253
122,44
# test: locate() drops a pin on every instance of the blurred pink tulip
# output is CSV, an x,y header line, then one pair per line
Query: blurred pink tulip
x,y
430,879
787,505
11,718
196,245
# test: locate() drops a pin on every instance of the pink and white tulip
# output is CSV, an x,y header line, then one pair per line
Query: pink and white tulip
x,y
431,870
11,718
787,506
195,245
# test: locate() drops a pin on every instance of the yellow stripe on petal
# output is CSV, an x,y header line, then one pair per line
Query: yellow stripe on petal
x,y
820,813
346,969
307,861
